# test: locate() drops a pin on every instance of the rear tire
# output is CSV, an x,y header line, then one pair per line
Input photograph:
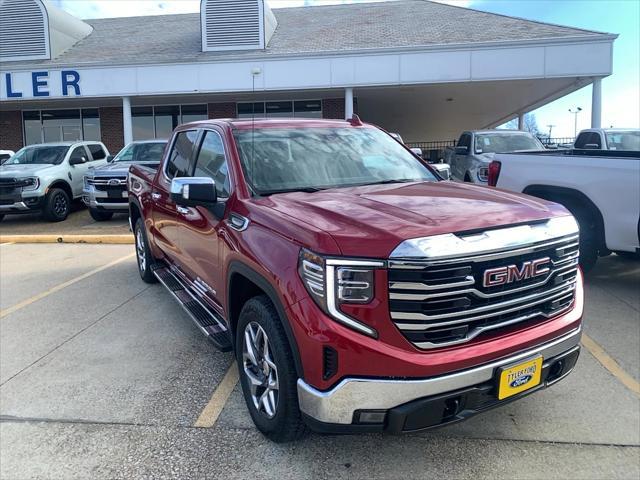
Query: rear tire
x,y
100,216
268,375
57,205
143,253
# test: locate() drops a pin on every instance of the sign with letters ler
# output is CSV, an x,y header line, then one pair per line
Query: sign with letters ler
x,y
65,83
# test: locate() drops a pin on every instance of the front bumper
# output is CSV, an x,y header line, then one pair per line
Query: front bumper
x,y
23,204
409,405
101,200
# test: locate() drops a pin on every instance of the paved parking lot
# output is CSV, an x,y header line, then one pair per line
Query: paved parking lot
x,y
79,222
103,376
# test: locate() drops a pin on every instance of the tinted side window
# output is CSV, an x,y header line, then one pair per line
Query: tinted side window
x,y
179,164
212,163
97,152
582,139
595,139
465,141
78,152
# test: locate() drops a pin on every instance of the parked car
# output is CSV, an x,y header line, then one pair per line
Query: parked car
x,y
474,151
5,155
47,177
620,139
600,188
443,169
105,188
359,291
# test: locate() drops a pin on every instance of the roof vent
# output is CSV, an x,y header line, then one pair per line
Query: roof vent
x,y
24,30
236,24
36,30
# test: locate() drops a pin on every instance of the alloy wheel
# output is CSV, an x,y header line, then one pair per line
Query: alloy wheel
x,y
60,205
260,370
140,250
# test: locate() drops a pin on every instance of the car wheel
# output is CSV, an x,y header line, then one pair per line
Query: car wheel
x,y
267,372
100,216
143,253
56,205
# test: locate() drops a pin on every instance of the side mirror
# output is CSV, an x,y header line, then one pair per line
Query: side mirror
x,y
194,192
110,158
78,160
461,150
417,151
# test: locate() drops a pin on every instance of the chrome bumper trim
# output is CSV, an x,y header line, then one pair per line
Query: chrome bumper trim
x,y
13,207
338,404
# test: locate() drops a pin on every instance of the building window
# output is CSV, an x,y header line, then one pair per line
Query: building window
x,y
69,125
160,121
298,108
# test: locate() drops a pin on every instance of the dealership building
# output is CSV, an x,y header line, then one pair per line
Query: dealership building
x,y
423,69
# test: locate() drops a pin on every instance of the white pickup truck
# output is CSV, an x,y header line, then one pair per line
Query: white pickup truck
x,y
619,139
600,188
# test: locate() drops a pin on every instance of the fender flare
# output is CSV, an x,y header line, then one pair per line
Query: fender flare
x,y
574,197
237,267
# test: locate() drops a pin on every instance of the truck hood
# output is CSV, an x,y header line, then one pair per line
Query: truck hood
x,y
371,221
116,169
20,171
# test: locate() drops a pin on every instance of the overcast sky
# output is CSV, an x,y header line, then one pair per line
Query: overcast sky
x,y
620,91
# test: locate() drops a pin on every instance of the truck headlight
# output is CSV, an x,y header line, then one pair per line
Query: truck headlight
x,y
332,282
30,183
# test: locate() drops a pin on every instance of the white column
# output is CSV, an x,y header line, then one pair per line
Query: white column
x,y
596,103
521,121
348,103
126,120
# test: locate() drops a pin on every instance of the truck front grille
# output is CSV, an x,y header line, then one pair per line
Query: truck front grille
x,y
444,302
109,184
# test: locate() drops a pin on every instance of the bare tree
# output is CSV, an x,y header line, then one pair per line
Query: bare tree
x,y
530,124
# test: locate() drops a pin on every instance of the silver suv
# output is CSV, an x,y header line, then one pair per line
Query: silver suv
x,y
105,188
47,177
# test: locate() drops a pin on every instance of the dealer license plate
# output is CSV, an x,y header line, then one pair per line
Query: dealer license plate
x,y
520,377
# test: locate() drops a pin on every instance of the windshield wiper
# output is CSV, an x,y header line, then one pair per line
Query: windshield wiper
x,y
266,193
386,182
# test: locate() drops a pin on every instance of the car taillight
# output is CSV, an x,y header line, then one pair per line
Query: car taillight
x,y
494,173
332,282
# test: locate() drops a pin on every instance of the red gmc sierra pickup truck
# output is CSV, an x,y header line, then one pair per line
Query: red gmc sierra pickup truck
x,y
358,290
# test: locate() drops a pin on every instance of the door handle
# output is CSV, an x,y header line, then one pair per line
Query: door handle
x,y
155,196
183,210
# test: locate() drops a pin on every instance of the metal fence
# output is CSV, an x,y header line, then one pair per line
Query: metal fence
x,y
436,145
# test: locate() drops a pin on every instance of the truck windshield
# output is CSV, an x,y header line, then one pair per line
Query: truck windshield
x,y
276,160
36,155
506,142
141,152
624,140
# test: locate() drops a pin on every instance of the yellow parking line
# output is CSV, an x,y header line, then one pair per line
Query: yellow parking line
x,y
6,243
219,399
610,364
57,288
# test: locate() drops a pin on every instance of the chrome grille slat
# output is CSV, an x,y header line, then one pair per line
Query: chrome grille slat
x,y
451,311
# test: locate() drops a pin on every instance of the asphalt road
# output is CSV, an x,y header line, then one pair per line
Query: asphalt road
x,y
79,222
103,376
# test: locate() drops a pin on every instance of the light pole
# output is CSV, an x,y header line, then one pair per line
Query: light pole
x,y
550,127
575,120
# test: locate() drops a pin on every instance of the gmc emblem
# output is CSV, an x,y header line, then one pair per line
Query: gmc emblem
x,y
511,273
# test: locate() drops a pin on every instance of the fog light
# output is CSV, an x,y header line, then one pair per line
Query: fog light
x,y
372,416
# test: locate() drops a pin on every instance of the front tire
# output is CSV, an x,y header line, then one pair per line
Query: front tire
x,y
143,253
267,372
99,215
57,205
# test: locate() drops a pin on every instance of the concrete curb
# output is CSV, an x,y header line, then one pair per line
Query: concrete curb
x,y
92,239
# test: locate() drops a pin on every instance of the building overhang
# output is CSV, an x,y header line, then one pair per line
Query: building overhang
x,y
568,57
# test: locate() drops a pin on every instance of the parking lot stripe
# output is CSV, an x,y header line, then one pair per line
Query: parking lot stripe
x,y
211,412
57,288
610,364
6,243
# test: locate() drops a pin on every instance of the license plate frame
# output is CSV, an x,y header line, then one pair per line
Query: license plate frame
x,y
519,377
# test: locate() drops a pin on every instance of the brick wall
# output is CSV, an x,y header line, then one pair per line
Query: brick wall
x,y
111,128
11,130
334,108
222,110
